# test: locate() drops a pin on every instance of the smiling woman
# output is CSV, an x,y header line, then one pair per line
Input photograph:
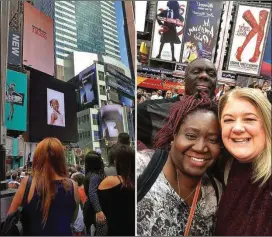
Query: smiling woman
x,y
191,139
245,117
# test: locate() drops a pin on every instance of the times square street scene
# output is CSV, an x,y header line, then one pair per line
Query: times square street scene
x,y
67,98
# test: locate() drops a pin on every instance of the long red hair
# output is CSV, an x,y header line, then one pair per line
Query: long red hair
x,y
49,160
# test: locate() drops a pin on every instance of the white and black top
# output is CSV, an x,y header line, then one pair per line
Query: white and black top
x,y
163,213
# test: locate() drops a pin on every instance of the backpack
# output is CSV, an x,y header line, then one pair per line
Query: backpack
x,y
12,225
152,171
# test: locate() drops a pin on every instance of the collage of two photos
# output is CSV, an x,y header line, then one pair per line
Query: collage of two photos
x,y
135,118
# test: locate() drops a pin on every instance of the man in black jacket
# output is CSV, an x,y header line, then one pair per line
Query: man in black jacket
x,y
200,75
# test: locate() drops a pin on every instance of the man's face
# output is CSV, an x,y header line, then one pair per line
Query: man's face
x,y
201,76
159,92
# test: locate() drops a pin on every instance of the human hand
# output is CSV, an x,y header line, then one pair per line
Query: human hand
x,y
100,217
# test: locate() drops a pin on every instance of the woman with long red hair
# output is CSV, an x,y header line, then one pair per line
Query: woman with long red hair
x,y
52,203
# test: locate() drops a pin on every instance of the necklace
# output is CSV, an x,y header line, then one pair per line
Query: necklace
x,y
179,189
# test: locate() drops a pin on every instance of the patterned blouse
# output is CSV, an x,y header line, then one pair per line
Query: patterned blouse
x,y
163,213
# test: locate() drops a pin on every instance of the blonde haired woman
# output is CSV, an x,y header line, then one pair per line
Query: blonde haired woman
x,y
52,203
246,204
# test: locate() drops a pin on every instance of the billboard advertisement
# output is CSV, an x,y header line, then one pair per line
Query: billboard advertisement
x,y
248,39
202,27
53,108
111,121
119,84
88,87
168,30
140,11
38,44
266,68
126,101
159,84
14,48
16,101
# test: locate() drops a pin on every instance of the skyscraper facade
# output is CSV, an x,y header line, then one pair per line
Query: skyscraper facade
x,y
65,29
97,28
88,26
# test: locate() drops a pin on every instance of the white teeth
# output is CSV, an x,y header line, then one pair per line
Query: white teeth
x,y
241,140
197,160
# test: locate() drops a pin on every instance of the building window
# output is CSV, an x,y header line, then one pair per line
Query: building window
x,y
95,119
103,102
96,135
102,90
101,76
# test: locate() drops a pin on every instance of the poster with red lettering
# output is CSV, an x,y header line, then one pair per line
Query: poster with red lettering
x,y
38,44
249,38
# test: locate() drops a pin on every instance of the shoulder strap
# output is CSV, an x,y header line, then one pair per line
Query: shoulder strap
x,y
28,185
151,173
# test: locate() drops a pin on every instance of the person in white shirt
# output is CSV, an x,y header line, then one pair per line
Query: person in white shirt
x,y
157,96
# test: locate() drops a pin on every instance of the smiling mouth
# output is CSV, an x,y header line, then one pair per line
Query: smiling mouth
x,y
202,87
240,140
198,161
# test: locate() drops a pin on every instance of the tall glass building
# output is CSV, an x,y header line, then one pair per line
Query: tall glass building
x,y
88,26
65,29
97,28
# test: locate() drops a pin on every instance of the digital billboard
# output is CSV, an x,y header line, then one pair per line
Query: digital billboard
x,y
168,30
88,87
126,101
111,121
16,101
38,43
248,39
53,108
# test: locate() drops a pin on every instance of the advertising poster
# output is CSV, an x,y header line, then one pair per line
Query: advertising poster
x,y
266,68
55,108
248,39
202,26
16,101
168,30
126,101
120,85
88,87
112,121
38,43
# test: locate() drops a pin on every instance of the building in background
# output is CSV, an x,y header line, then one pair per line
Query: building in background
x,y
97,28
65,29
129,30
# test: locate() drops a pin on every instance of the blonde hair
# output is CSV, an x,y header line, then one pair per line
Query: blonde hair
x,y
262,163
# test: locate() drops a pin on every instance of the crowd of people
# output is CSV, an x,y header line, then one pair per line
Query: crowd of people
x,y
204,164
79,201
143,95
